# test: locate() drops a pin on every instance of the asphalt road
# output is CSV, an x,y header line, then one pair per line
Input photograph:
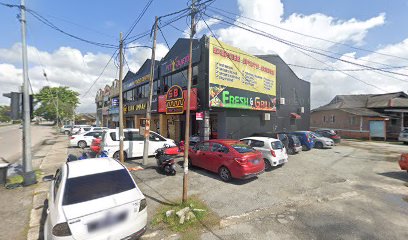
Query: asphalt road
x,y
353,191
11,140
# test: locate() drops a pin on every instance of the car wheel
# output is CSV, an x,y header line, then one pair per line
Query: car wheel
x,y
406,143
190,163
268,166
225,174
305,148
116,156
291,151
66,132
319,145
82,144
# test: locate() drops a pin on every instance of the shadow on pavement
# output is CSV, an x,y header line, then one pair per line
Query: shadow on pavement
x,y
400,175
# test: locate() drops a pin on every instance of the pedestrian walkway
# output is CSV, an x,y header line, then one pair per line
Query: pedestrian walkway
x,y
19,206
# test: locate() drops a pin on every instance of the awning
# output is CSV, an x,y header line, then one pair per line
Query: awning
x,y
295,116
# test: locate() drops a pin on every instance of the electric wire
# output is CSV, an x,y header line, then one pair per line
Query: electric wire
x,y
306,35
138,19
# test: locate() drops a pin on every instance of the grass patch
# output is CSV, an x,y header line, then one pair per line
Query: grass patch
x,y
189,229
19,179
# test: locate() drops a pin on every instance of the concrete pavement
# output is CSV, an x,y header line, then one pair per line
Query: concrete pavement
x,y
20,205
11,139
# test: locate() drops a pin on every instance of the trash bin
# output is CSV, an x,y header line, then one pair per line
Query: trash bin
x,y
3,173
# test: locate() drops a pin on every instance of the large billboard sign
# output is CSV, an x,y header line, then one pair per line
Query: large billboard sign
x,y
240,80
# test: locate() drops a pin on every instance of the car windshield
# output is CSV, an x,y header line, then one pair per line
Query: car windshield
x,y
317,134
276,145
90,187
242,148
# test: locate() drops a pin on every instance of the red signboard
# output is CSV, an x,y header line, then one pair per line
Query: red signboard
x,y
200,116
193,101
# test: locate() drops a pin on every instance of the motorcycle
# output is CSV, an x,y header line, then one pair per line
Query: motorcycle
x,y
165,159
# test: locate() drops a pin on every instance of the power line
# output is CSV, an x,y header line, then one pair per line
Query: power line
x,y
300,46
345,70
100,75
306,35
319,49
138,19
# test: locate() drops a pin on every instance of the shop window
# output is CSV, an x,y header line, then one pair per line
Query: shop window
x,y
393,122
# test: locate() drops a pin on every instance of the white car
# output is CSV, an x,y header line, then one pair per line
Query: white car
x,y
133,143
273,150
94,198
84,140
76,128
403,136
82,130
66,129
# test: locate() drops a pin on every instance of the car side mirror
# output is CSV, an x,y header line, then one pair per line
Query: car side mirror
x,y
48,178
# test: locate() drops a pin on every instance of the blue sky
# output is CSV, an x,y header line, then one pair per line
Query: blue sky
x,y
371,24
103,20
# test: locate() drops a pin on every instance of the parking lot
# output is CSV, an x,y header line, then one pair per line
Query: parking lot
x,y
352,191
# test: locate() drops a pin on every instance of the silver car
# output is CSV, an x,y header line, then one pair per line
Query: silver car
x,y
403,136
322,142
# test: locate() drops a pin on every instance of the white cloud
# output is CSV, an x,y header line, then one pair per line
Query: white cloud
x,y
66,66
325,85
201,27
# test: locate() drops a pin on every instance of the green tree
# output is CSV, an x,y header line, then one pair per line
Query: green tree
x,y
52,99
4,110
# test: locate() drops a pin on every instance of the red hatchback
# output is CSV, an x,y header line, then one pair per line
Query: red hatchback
x,y
229,158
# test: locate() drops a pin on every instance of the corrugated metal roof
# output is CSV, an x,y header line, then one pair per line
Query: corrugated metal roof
x,y
362,112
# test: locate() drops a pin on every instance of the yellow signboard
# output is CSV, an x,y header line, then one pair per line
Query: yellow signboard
x,y
231,67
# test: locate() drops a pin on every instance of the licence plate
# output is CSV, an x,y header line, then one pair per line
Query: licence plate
x,y
256,161
281,161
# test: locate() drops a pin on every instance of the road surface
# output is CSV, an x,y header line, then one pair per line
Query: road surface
x,y
11,140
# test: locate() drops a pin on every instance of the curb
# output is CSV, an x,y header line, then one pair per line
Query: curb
x,y
40,193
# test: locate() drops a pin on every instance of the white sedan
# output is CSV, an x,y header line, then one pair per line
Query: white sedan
x,y
95,199
84,139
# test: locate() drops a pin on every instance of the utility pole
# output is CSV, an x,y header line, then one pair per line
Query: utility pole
x,y
28,173
121,136
149,103
187,131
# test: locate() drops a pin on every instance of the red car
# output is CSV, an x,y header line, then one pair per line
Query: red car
x,y
229,158
403,162
96,145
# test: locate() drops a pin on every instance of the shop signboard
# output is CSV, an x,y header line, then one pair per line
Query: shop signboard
x,y
139,107
164,104
115,102
175,100
200,116
240,80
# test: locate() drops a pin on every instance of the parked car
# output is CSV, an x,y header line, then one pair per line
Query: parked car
x,y
322,142
96,145
403,162
66,129
76,128
229,158
94,199
84,140
329,133
133,143
403,136
306,139
290,141
273,150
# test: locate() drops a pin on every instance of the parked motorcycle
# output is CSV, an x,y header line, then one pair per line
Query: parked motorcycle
x,y
165,159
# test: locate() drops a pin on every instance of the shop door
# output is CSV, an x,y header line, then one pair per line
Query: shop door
x,y
377,129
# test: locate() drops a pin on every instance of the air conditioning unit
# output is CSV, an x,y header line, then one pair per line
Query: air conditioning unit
x,y
302,110
266,117
282,101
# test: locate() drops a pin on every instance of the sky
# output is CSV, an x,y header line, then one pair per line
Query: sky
x,y
373,25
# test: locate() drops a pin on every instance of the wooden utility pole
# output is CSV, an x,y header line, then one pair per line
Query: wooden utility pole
x,y
149,103
121,136
187,131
